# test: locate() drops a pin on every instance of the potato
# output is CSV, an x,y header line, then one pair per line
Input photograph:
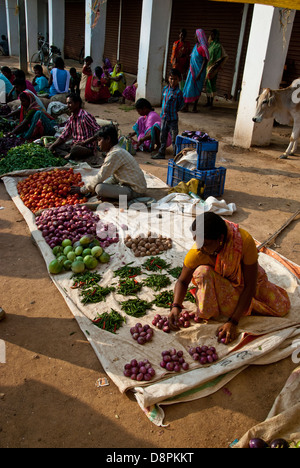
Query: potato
x,y
137,254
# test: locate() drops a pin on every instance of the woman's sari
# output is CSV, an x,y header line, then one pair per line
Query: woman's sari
x,y
217,57
61,82
146,125
117,87
218,288
180,57
193,86
96,90
39,122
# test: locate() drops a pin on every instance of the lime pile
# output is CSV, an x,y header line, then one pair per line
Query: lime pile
x,y
86,254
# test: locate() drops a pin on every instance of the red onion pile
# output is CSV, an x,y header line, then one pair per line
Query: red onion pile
x,y
67,222
173,360
139,371
161,322
204,354
142,334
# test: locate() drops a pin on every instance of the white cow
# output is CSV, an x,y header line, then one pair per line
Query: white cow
x,y
283,105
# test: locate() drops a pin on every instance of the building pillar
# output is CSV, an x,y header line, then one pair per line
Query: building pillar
x,y
95,29
31,9
12,27
155,15
266,55
56,10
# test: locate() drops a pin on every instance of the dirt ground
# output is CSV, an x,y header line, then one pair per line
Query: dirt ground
x,y
48,396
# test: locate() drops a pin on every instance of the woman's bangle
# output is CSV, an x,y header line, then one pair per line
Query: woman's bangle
x,y
233,321
176,305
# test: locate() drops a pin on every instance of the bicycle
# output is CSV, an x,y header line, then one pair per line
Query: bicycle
x,y
45,56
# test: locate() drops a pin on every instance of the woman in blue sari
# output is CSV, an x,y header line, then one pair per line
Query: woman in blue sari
x,y
197,72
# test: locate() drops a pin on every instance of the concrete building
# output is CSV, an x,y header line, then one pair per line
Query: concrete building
x,y
140,34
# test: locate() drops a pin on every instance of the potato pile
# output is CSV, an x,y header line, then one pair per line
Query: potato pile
x,y
143,246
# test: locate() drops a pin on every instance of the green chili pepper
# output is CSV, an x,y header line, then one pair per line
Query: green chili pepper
x,y
129,287
164,299
175,272
84,279
128,271
155,264
136,307
109,321
95,294
157,282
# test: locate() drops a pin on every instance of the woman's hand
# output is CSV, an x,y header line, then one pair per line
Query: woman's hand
x,y
173,318
227,332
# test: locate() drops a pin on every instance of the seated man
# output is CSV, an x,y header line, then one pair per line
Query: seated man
x,y
81,128
129,179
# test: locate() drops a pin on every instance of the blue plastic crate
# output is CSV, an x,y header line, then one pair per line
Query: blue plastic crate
x,y
212,181
207,150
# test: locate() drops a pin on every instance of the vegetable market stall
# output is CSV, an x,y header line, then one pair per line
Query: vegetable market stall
x,y
262,340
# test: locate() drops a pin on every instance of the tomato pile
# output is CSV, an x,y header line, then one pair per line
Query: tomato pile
x,y
50,189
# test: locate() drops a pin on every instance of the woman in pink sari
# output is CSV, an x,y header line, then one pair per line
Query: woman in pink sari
x,y
147,128
223,266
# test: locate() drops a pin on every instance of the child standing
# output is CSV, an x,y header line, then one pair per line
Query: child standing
x,y
86,72
172,103
75,81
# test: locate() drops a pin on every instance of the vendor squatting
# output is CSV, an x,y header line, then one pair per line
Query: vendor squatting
x,y
152,457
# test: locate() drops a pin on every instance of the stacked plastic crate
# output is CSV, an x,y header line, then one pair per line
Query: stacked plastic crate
x,y
211,179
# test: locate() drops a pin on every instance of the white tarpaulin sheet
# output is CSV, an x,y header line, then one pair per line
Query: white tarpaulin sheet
x,y
271,338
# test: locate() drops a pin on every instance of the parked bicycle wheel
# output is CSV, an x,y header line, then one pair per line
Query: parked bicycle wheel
x,y
37,58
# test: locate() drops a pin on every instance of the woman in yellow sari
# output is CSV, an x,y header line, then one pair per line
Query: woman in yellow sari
x,y
223,266
117,81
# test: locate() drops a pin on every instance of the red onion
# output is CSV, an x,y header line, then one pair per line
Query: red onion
x,y
173,360
140,371
142,334
70,222
204,354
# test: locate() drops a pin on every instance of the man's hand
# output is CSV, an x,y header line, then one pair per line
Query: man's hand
x,y
74,190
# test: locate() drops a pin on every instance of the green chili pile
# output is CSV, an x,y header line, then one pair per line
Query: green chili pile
x,y
129,287
110,322
85,279
155,264
136,307
175,272
164,299
127,271
95,293
157,282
